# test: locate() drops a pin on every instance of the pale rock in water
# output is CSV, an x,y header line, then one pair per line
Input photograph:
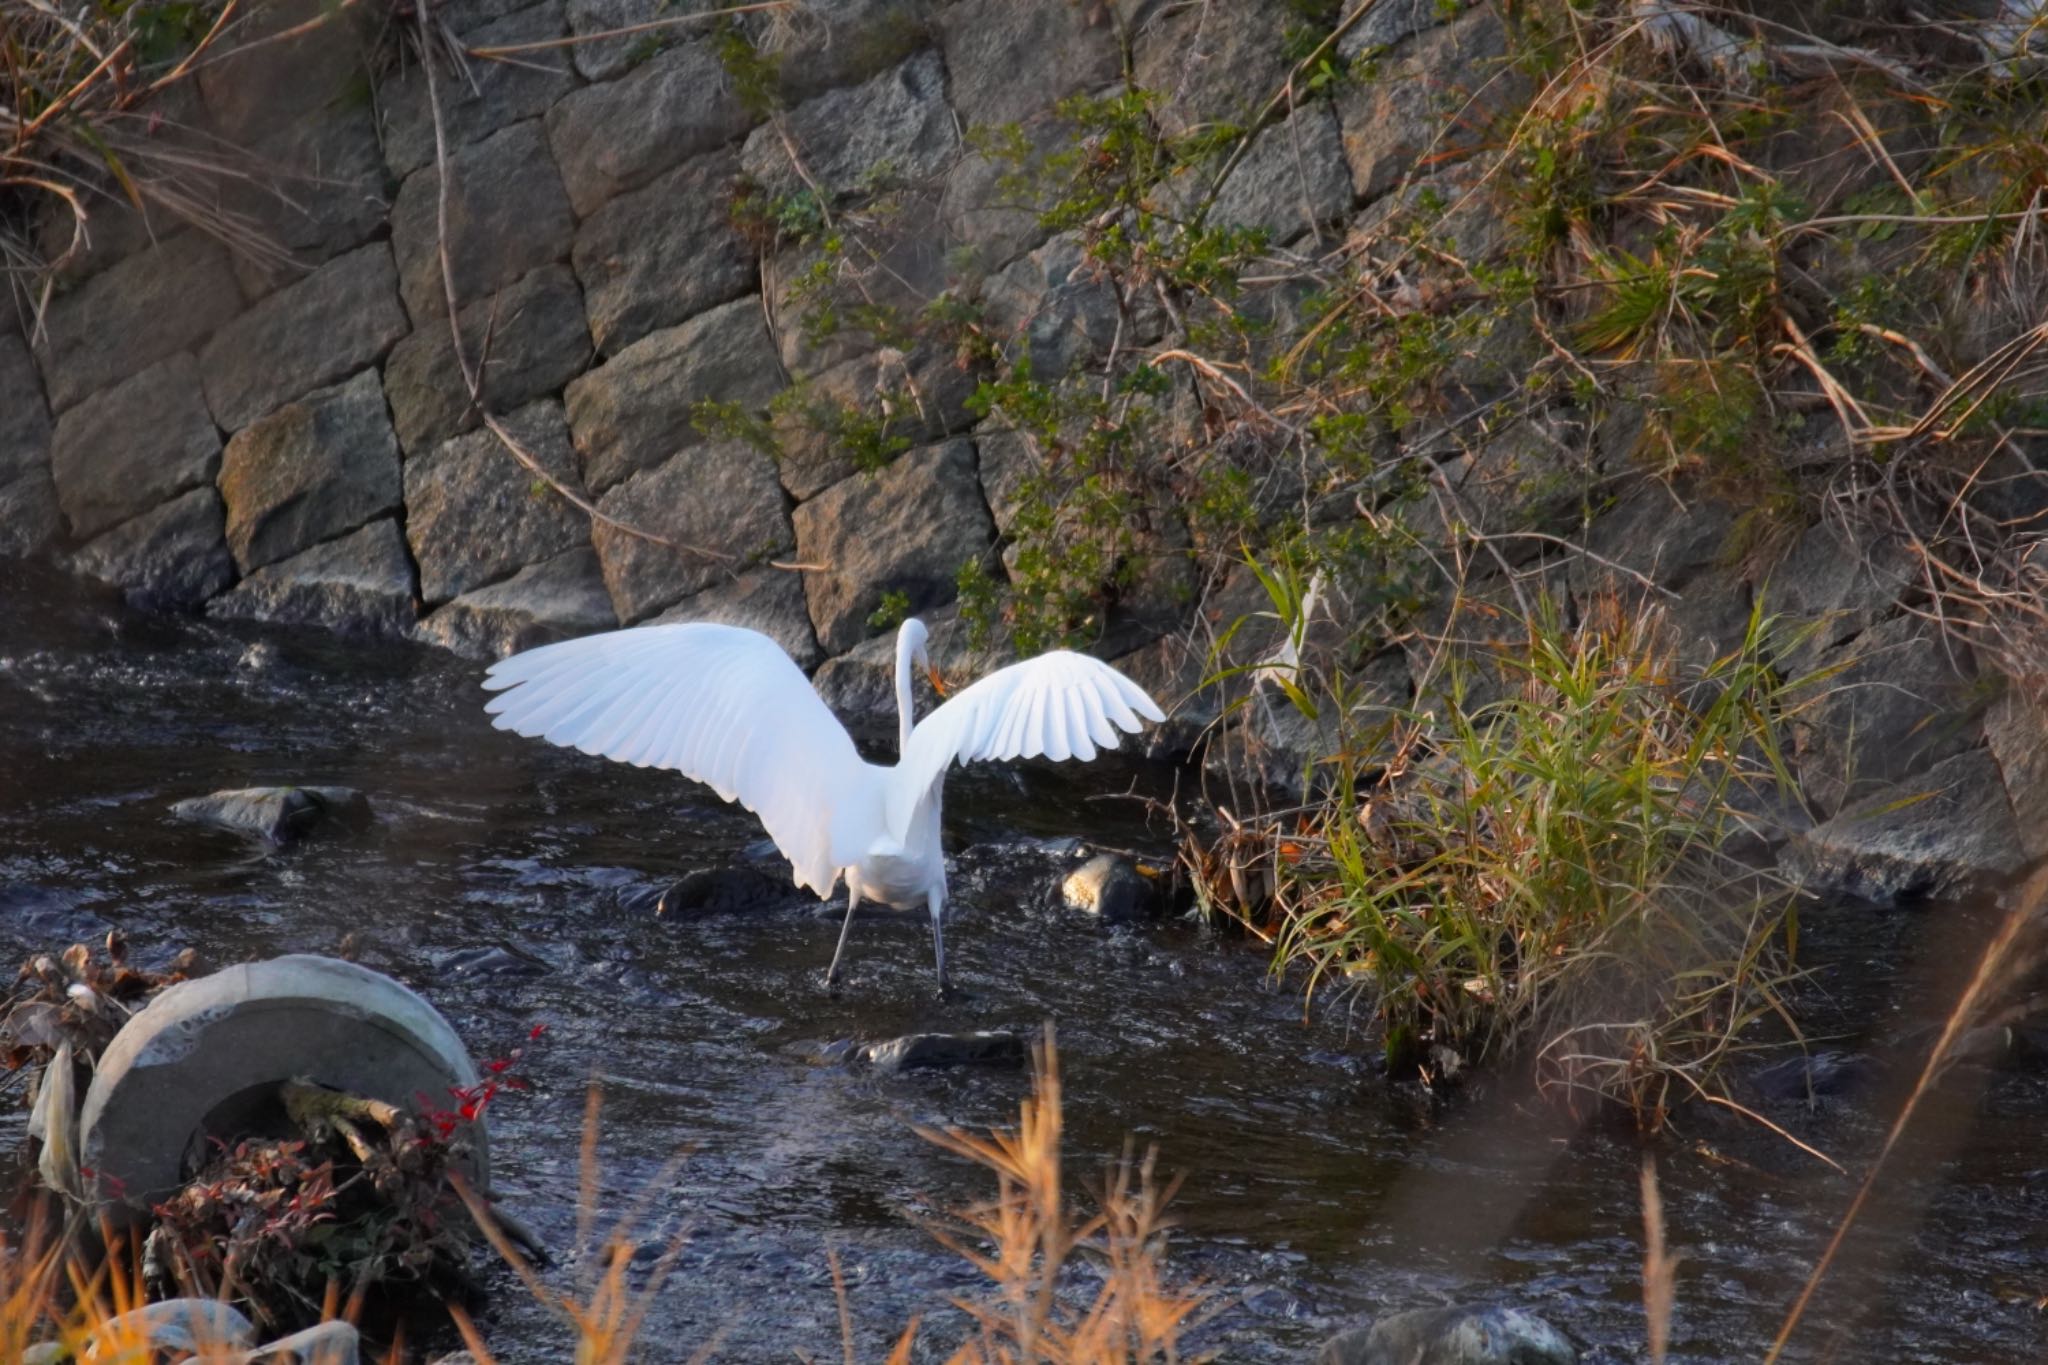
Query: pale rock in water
x,y
1452,1336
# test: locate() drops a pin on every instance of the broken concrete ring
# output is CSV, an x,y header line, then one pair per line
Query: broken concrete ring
x,y
207,1058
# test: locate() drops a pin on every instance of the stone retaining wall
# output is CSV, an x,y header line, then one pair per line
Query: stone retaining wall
x,y
285,435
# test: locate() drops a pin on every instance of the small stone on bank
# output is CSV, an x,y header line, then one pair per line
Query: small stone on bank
x,y
1452,1336
914,1051
278,814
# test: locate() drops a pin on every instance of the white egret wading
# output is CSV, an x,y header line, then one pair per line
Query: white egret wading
x,y
725,706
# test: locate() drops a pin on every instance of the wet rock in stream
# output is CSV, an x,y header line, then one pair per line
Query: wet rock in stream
x,y
724,891
1452,1336
921,1051
494,961
1109,887
277,814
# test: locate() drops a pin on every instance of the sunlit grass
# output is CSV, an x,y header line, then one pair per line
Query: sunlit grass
x,y
1066,1287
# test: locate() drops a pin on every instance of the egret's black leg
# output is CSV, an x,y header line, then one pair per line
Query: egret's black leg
x,y
852,904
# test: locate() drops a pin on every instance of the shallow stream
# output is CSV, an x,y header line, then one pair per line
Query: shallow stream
x,y
1314,1195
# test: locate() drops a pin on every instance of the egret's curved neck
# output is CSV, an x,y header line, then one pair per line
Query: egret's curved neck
x,y
906,715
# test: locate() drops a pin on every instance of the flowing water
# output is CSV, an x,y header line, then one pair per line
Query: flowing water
x,y
1314,1194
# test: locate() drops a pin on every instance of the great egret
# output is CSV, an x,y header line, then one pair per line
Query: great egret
x,y
725,706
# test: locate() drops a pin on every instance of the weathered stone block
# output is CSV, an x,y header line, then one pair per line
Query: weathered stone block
x,y
721,500
359,584
29,520
1958,838
1903,701
894,271
657,256
2016,733
343,316
1833,584
474,514
309,471
1052,307
323,193
1392,122
1390,21
1009,61
614,136
860,684
128,448
170,556
465,17
991,221
24,417
1009,459
633,412
768,600
1212,63
1293,178
252,88
111,232
506,215
920,397
603,59
553,600
907,529
892,130
496,94
148,308
530,338
841,42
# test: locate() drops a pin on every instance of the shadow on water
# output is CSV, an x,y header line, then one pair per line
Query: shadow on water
x,y
1313,1194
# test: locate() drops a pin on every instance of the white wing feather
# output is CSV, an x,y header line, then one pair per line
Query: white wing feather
x,y
720,704
1059,705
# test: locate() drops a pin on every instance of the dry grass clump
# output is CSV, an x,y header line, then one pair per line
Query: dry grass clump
x,y
606,1310
59,1304
1535,859
80,125
1038,1254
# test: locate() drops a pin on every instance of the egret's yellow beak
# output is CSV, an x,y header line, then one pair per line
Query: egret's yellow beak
x,y
938,683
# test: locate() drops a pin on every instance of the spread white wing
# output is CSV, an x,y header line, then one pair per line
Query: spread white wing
x,y
1059,705
720,704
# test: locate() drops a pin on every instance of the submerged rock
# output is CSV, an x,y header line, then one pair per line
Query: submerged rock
x,y
723,890
1110,887
492,961
279,814
1452,1336
914,1051
1812,1079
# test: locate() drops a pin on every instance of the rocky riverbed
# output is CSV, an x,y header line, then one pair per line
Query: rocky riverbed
x,y
516,886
